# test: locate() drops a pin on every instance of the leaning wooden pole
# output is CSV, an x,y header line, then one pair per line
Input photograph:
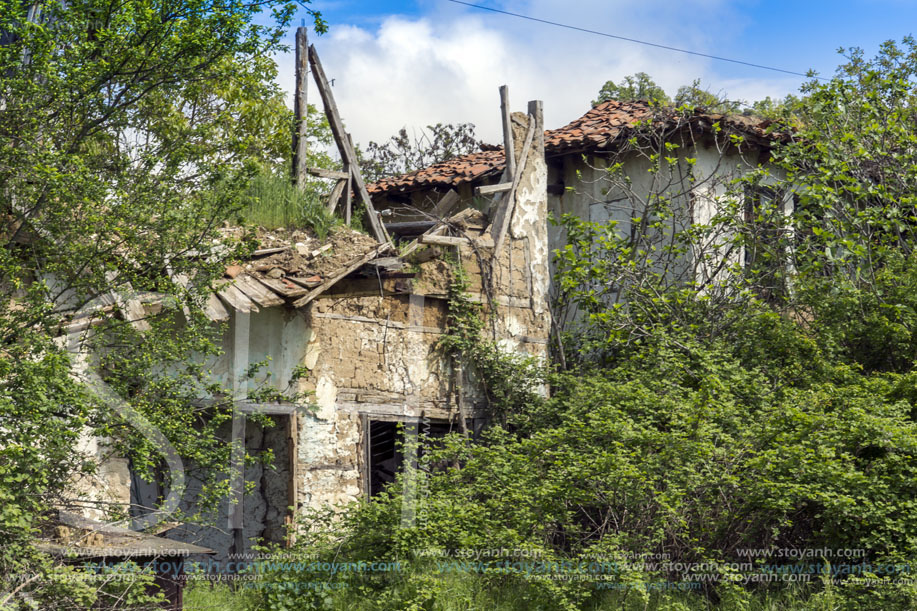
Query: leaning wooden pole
x,y
509,153
300,108
348,155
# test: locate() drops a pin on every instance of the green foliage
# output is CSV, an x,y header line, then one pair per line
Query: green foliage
x,y
639,86
695,96
272,201
404,153
510,381
738,379
127,136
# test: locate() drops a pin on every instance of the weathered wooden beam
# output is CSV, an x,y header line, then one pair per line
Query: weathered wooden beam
x,y
269,409
444,240
327,284
348,191
236,299
283,287
269,251
323,173
504,212
497,188
435,230
257,292
445,205
214,309
409,227
300,108
508,151
336,194
344,145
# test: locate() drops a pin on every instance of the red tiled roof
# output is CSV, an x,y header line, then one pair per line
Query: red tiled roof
x,y
599,129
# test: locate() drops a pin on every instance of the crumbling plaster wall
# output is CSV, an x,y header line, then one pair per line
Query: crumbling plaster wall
x,y
366,355
377,356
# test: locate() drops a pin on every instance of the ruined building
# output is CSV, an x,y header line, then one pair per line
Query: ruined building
x,y
362,317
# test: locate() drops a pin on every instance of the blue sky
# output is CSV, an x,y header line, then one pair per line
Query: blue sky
x,y
413,62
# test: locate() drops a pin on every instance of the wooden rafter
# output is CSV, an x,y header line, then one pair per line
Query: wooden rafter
x,y
344,146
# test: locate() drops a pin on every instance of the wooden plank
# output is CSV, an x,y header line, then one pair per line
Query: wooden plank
x,y
348,193
293,491
344,145
236,299
131,308
269,409
445,205
309,284
214,310
327,284
438,229
437,240
409,227
258,292
300,108
269,251
367,454
287,289
336,194
509,152
323,173
444,240
348,202
505,211
497,188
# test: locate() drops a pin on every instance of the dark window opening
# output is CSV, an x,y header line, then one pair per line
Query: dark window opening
x,y
766,245
385,458
384,448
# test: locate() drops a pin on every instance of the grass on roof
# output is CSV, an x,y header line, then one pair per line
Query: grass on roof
x,y
272,202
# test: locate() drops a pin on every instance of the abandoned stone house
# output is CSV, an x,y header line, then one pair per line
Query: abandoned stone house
x,y
578,157
363,319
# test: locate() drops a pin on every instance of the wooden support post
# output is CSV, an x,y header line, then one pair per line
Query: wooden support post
x,y
504,211
367,456
536,111
508,150
460,395
300,108
337,193
344,145
348,189
293,498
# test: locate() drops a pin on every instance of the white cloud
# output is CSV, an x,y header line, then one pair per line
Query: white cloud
x,y
447,65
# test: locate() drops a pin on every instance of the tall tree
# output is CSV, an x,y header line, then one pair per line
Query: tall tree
x,y
639,86
404,153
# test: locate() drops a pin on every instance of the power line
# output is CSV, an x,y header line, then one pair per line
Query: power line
x,y
634,40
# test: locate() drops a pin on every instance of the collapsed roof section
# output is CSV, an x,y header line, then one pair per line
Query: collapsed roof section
x,y
292,268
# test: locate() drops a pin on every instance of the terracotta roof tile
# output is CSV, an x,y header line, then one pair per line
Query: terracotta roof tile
x,y
600,128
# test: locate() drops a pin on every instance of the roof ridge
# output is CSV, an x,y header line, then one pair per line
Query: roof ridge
x,y
597,129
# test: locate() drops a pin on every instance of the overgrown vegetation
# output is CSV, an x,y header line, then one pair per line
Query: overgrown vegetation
x,y
404,153
272,201
734,424
641,86
128,134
